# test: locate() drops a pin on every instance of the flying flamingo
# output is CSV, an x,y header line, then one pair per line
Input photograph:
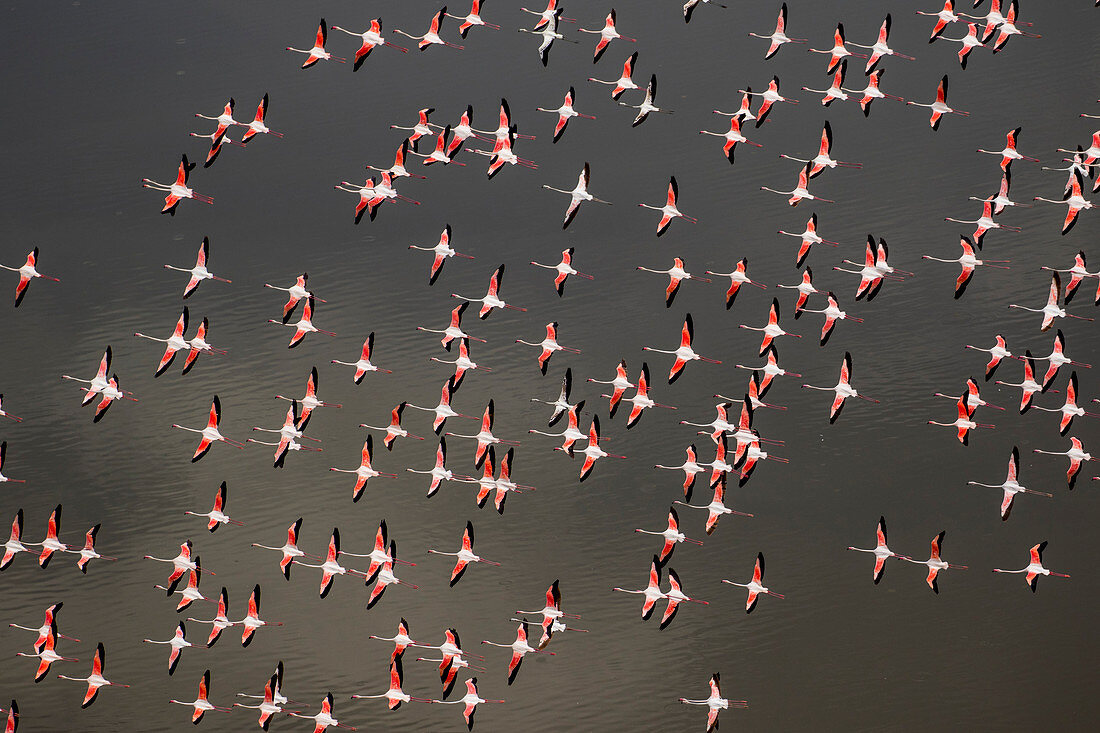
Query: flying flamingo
x,y
225,120
620,382
607,34
442,251
282,447
683,353
89,553
13,717
996,354
561,405
549,345
572,432
1076,454
880,551
935,564
984,223
1034,568
454,330
51,543
443,151
394,696
1052,309
963,423
520,648
503,152
672,536
624,82
716,509
755,393
968,261
779,36
176,192
48,628
191,592
199,271
872,92
471,700
14,544
838,52
318,52
175,342
474,18
217,516
973,397
874,270
268,706
304,325
505,128
3,478
943,18
969,42
799,192
27,273
1077,274
835,90
215,146
398,170
675,597
431,37
178,644
545,16
330,568
386,577
715,703
738,277
309,401
1069,409
1074,200
770,369
371,38
289,550
755,586
690,5
1011,485
47,655
201,704
880,49
365,471
1056,359
832,313
551,613
549,33
823,161
669,210
1029,386
565,268
297,292
809,238
465,555
210,434
578,195
181,563
8,415
772,329
401,640
641,399
96,679
732,137
743,113
652,591
443,409
220,622
1008,28
647,105
939,107
1009,153
691,469
257,126
593,452
490,300
252,620
363,365
485,437
676,274
197,345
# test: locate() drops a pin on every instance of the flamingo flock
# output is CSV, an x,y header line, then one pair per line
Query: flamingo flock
x,y
487,462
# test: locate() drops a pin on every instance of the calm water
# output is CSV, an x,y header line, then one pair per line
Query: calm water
x,y
102,97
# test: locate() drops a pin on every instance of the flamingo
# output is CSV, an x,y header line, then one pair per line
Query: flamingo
x,y
641,399
471,700
578,195
365,471
809,238
178,644
838,52
491,299
199,271
191,592
485,436
454,330
398,170
304,325
675,597
268,706
225,121
1074,200
505,128
96,679
984,223
963,423
592,452
201,704
431,37
401,640
968,260
832,313
969,42
690,5
691,469
772,329
770,369
27,273
652,592
258,124
197,345
215,146
1029,386
561,405
779,36
177,192
297,292
443,409
676,274
879,48
743,112
181,563
252,620
799,192
8,415
1056,359
371,38
620,384
1076,454
1052,309
874,270
502,153
624,82
220,622
47,655
672,536
549,32
472,19
732,137
973,397
363,365
935,564
835,90
51,543
1008,28
210,434
420,129
715,703
1034,568
175,342
442,251
939,107
386,577
394,696
3,454
48,628
1009,153
1077,274
738,277
330,568
465,555
880,551
290,549
13,717
647,105
607,34
996,354
309,401
14,544
463,363
520,648
442,152
823,161
217,516
1011,485
545,16
754,393
572,432
872,92
943,17
551,614
755,586
318,52
565,268
683,353
1069,409
716,509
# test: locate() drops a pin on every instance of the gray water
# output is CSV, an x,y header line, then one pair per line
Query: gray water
x,y
101,96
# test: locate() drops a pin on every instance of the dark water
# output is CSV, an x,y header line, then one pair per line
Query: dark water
x,y
100,97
